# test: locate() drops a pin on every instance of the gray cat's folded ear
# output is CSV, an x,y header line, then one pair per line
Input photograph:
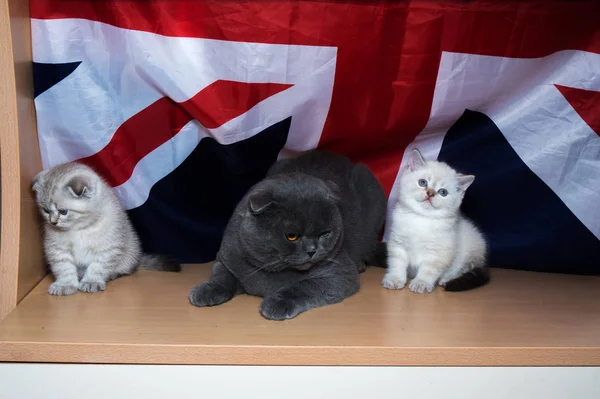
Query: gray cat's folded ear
x,y
260,201
80,187
415,160
334,190
464,181
37,181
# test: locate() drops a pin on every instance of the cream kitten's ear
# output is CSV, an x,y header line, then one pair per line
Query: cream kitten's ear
x,y
416,160
464,181
37,181
79,187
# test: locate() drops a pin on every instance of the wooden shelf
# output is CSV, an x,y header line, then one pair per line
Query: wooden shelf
x,y
519,319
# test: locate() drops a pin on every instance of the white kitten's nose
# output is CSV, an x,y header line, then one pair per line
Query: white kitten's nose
x,y
430,193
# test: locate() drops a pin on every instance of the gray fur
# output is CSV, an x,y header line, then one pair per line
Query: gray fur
x,y
94,241
317,193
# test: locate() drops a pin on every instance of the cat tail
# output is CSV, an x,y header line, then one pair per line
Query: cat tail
x,y
472,279
158,263
379,256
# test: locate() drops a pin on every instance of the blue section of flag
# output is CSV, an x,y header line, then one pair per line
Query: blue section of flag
x,y
527,225
187,211
47,75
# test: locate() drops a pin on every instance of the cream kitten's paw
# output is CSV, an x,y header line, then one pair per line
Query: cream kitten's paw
x,y
392,282
92,286
420,286
62,289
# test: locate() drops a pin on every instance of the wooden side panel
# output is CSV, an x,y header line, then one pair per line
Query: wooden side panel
x,y
31,264
21,260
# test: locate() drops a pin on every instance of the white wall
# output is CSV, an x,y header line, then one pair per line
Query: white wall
x,y
49,381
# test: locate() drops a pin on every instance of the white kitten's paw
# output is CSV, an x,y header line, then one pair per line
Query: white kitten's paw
x,y
392,282
62,289
420,286
92,286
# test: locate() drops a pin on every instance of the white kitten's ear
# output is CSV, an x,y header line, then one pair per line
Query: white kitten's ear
x,y
38,180
260,201
79,187
464,181
416,160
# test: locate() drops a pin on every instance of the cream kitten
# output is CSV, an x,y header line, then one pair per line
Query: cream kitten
x,y
430,239
88,238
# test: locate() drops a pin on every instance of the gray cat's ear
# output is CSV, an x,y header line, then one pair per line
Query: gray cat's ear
x,y
464,181
260,202
79,187
37,181
415,160
334,189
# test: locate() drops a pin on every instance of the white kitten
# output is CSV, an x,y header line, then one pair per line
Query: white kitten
x,y
88,238
430,239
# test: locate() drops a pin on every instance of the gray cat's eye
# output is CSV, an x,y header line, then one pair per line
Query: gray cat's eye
x,y
45,210
443,192
63,211
422,182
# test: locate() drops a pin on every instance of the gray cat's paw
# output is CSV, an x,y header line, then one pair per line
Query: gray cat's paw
x,y
420,286
392,282
277,308
62,289
92,286
209,294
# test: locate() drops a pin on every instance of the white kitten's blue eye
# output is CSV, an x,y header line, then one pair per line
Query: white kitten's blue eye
x,y
422,183
63,211
443,192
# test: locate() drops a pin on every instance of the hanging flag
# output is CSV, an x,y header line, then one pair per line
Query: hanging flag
x,y
182,106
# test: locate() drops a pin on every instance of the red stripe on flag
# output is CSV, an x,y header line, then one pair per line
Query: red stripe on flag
x,y
586,103
225,99
141,134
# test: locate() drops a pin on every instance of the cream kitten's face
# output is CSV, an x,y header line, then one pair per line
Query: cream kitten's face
x,y
432,187
65,200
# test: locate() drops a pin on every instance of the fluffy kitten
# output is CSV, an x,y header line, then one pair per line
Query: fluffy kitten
x,y
88,238
430,239
300,237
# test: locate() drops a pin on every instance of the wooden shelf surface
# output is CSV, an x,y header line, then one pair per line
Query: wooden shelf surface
x,y
520,318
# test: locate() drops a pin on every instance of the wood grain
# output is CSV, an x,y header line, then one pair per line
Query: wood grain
x,y
519,319
21,265
9,160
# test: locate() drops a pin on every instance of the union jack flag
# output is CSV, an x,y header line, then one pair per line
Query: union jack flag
x,y
182,106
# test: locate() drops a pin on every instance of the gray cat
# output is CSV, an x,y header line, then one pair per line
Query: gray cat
x,y
88,239
300,237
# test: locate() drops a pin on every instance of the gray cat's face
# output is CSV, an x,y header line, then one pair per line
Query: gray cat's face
x,y
64,197
433,187
292,225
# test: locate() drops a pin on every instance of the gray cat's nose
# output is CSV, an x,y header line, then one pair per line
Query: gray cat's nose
x,y
311,253
54,222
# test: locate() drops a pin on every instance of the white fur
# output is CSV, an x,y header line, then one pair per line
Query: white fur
x,y
94,242
430,240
